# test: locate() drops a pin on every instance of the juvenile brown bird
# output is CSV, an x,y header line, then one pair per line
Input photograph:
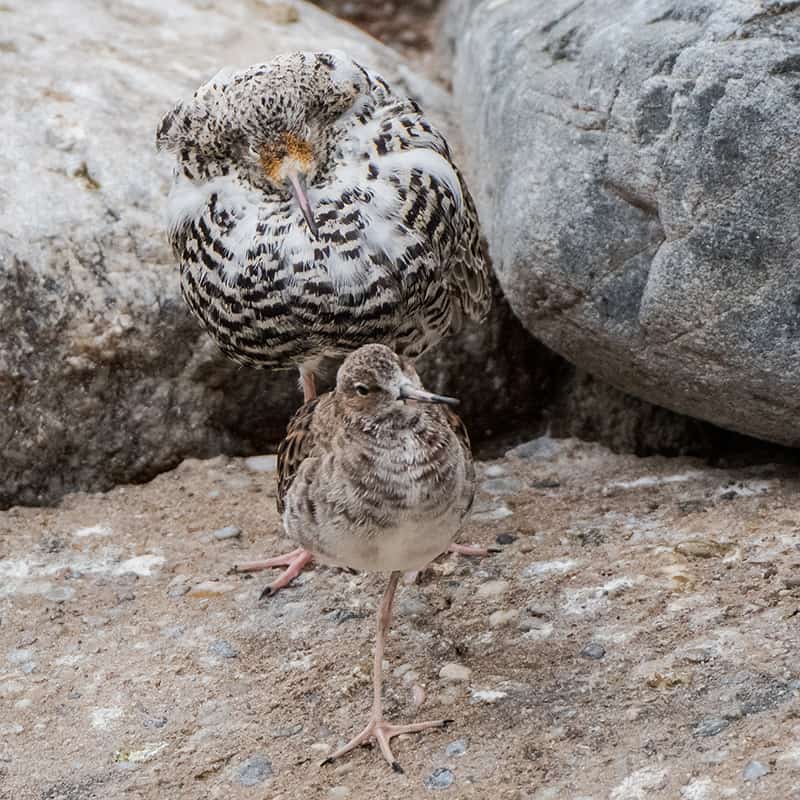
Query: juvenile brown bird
x,y
376,475
314,210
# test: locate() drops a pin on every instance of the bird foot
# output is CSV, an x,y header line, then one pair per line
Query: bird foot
x,y
382,731
294,561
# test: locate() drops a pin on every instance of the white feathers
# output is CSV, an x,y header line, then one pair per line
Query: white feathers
x,y
428,162
185,202
188,200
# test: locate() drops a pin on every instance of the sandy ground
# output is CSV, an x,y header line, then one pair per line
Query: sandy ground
x,y
637,638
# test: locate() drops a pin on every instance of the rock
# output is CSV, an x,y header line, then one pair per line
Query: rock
x,y
254,770
440,778
228,532
106,376
456,748
505,538
338,792
222,648
593,650
754,770
630,165
261,463
494,471
456,673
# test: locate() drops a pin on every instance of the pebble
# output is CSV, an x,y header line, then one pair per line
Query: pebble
x,y
593,650
487,695
417,695
338,792
222,649
440,778
211,589
493,515
493,588
19,656
178,586
10,728
261,463
494,471
544,447
228,532
286,731
505,538
253,771
456,748
754,770
411,677
412,604
59,594
710,726
502,617
455,672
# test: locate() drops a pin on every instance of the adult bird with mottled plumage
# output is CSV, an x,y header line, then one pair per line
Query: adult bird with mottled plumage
x,y
314,210
376,475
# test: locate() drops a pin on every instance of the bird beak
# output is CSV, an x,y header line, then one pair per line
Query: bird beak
x,y
410,392
298,183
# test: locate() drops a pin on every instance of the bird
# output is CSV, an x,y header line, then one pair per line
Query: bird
x,y
376,475
314,210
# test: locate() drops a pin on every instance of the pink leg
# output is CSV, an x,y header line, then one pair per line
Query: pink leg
x,y
377,727
309,385
294,561
297,559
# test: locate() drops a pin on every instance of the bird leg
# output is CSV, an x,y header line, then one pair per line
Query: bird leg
x,y
377,727
309,384
294,561
297,559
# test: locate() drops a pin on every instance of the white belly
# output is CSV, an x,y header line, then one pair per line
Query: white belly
x,y
409,545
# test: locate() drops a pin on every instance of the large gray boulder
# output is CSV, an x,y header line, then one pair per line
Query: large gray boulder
x,y
104,376
637,167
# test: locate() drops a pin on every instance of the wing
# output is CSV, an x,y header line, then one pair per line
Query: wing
x,y
460,430
295,447
469,271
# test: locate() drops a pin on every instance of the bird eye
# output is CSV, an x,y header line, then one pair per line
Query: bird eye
x,y
362,389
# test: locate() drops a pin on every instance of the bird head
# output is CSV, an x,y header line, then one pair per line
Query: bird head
x,y
375,377
271,125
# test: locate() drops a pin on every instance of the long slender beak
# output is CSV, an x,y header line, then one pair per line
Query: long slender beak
x,y
410,392
297,180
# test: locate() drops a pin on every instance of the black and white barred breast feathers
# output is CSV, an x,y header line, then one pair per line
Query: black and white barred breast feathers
x,y
313,211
